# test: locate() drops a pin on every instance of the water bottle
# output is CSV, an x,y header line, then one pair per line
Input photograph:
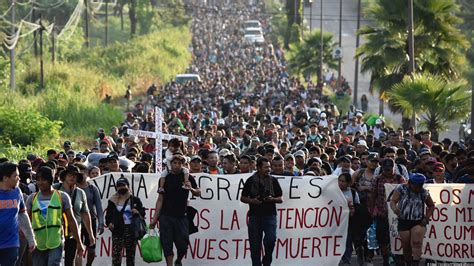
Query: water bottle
x,y
372,237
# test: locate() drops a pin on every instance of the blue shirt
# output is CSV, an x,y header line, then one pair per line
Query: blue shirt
x,y
11,203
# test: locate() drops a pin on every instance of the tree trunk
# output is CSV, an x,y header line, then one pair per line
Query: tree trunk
x,y
132,13
381,107
406,123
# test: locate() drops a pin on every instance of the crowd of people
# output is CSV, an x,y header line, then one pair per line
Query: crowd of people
x,y
247,115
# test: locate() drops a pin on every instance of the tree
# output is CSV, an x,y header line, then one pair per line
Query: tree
x,y
439,45
304,56
294,13
437,100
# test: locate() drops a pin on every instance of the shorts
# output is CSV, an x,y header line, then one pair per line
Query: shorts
x,y
383,230
174,230
85,235
407,225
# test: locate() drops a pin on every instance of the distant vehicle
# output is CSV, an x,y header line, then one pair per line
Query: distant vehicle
x,y
252,24
253,35
183,78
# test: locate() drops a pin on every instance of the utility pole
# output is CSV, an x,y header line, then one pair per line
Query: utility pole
x,y
86,20
472,109
12,51
411,52
106,21
310,15
53,42
41,55
33,17
356,75
340,45
321,48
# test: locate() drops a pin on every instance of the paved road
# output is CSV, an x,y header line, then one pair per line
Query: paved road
x,y
349,25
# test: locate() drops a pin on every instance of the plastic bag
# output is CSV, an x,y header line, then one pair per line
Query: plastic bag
x,y
151,247
372,237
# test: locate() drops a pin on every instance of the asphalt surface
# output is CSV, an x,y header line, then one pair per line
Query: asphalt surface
x,y
349,27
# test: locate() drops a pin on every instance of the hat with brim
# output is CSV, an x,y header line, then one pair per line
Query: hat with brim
x,y
345,158
300,153
122,181
70,170
417,179
196,158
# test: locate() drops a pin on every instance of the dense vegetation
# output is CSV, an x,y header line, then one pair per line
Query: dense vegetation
x,y
71,104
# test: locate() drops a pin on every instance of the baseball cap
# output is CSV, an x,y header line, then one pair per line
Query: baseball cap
x,y
373,156
439,166
122,181
344,158
314,159
31,157
418,179
196,157
424,151
113,155
71,169
323,115
62,157
299,153
362,143
24,168
431,160
378,121
289,156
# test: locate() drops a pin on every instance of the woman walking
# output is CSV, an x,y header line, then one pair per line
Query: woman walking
x,y
408,203
121,208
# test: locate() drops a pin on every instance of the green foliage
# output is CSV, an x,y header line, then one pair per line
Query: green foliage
x,y
294,13
79,80
439,45
16,153
342,101
304,57
437,100
279,23
160,55
172,13
27,126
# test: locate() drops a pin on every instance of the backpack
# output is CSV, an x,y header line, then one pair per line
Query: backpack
x,y
66,230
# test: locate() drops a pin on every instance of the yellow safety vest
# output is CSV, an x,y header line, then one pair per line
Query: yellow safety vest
x,y
48,231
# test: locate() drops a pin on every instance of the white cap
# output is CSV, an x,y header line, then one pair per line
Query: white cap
x,y
378,121
362,143
323,115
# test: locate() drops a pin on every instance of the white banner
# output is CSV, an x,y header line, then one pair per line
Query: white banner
x,y
450,233
311,223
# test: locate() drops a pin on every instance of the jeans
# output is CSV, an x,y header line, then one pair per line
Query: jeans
x,y
8,256
50,257
70,249
258,225
346,258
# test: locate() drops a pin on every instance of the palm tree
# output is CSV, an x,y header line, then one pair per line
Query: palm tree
x,y
304,56
439,45
437,100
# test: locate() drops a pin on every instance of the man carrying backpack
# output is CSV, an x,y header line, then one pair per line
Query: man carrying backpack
x,y
70,177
